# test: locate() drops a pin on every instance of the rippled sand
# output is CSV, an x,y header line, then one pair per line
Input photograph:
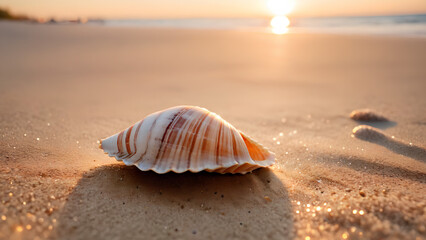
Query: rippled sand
x,y
64,87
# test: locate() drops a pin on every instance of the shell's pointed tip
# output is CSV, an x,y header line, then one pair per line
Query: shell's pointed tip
x,y
100,144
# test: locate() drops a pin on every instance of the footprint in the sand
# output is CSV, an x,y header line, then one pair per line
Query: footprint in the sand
x,y
377,136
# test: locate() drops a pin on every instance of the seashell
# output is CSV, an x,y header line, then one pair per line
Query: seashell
x,y
187,138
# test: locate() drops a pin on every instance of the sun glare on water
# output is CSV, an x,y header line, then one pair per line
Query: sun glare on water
x,y
280,8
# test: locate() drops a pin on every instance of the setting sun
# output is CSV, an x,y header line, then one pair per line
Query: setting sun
x,y
279,24
280,7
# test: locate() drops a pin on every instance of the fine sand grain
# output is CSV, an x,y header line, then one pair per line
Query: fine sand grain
x,y
64,87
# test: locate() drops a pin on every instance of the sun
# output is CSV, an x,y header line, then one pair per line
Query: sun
x,y
280,24
280,7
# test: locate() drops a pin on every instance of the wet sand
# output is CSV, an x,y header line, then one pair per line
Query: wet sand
x,y
64,87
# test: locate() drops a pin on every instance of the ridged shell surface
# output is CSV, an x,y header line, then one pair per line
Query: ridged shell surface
x,y
187,138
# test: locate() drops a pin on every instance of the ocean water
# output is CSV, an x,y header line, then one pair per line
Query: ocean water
x,y
401,25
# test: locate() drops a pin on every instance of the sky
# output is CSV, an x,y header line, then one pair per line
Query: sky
x,y
207,8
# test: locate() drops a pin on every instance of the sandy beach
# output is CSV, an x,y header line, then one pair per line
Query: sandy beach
x,y
64,87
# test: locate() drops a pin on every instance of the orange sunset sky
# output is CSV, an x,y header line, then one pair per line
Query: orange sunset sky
x,y
207,8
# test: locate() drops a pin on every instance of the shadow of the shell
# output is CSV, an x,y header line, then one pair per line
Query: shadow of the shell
x,y
119,202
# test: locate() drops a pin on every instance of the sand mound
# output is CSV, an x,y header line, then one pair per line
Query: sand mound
x,y
369,133
367,115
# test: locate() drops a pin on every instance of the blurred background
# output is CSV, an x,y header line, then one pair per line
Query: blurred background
x,y
279,16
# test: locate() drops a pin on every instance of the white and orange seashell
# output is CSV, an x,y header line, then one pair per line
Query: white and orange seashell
x,y
187,138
